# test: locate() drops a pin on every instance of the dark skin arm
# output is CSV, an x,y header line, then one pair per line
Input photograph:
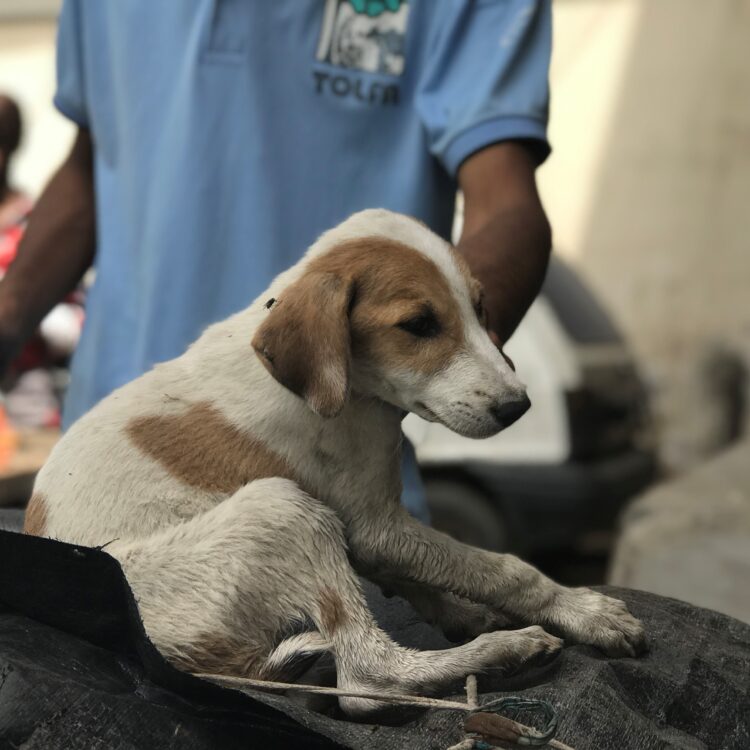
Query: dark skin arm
x,y
55,252
506,237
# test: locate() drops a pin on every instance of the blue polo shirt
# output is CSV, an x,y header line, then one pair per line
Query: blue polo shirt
x,y
230,133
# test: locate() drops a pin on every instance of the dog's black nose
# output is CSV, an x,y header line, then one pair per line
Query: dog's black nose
x,y
508,412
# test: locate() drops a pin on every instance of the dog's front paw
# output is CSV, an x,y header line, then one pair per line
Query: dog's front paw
x,y
512,650
585,616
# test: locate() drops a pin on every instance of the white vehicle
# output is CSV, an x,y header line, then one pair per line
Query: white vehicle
x,y
573,460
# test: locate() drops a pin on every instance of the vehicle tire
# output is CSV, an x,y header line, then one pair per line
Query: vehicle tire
x,y
465,513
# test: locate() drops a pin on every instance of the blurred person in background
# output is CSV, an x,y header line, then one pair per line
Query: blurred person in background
x,y
30,394
217,139
15,206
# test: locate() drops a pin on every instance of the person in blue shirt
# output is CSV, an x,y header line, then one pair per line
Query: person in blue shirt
x,y
218,138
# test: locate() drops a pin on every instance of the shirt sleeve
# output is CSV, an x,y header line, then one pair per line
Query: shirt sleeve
x,y
70,95
486,78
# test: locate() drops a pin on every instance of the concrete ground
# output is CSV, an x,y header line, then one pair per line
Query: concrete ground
x,y
689,538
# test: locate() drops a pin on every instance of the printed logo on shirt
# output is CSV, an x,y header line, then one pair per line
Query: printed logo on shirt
x,y
365,35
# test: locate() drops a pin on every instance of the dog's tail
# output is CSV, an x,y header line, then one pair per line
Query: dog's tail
x,y
293,656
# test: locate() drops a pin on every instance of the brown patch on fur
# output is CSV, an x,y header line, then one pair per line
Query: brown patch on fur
x,y
332,612
202,449
348,303
35,519
220,655
393,283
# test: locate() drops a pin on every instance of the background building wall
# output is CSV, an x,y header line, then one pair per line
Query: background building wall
x,y
649,185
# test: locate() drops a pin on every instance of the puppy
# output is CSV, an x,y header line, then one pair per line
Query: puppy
x,y
246,481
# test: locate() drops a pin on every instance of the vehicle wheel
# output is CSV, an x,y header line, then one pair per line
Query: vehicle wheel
x,y
465,513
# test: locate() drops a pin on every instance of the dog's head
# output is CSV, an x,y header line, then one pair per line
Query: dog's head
x,y
385,308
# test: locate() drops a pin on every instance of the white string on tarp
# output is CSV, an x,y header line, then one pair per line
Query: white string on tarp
x,y
501,727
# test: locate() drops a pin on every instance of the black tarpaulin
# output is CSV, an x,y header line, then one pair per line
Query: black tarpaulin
x,y
77,671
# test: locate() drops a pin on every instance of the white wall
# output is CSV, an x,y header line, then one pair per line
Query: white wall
x,y
27,72
648,188
592,44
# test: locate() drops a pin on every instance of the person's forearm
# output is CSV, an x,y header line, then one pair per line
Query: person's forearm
x,y
56,250
506,237
508,253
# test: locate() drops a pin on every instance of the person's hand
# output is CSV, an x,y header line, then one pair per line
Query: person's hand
x,y
506,236
374,8
486,266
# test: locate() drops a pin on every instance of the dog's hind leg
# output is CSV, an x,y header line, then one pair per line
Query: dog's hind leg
x,y
216,591
213,591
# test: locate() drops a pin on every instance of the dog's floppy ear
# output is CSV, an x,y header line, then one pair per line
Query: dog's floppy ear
x,y
305,343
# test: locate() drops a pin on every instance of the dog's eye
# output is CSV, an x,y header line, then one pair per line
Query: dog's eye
x,y
425,325
480,311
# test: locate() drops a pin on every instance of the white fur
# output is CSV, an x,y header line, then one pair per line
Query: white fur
x,y
241,568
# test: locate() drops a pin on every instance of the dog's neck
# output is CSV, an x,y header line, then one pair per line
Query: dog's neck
x,y
364,440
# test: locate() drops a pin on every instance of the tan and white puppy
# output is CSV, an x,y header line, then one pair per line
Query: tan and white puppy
x,y
245,481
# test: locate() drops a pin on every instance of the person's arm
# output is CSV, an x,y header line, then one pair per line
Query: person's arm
x,y
483,98
55,252
506,237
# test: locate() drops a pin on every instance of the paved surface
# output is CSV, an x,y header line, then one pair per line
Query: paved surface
x,y
689,538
